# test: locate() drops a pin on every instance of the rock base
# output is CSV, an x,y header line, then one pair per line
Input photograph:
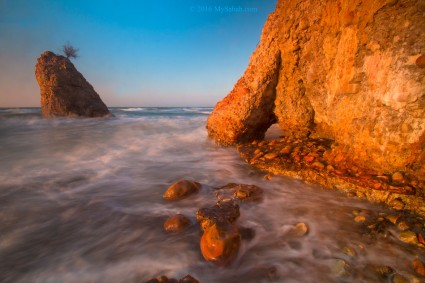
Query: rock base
x,y
316,161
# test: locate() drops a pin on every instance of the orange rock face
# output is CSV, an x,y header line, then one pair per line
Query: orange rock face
x,y
221,239
220,243
351,71
64,91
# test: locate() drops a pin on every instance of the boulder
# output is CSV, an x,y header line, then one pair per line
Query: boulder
x,y
221,239
220,243
181,189
64,91
221,213
352,71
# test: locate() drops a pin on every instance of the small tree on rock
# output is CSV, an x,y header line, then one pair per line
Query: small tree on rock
x,y
69,50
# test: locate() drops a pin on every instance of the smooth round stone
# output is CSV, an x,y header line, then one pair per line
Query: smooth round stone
x,y
301,229
397,177
176,223
181,189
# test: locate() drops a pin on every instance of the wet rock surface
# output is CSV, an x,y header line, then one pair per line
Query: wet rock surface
x,y
382,226
181,189
221,239
176,223
349,71
220,243
222,212
241,192
64,91
314,160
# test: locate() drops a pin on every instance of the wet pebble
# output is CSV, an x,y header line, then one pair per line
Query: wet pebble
x,y
393,218
408,237
286,150
318,165
397,204
419,266
309,158
360,218
300,229
397,177
420,61
271,155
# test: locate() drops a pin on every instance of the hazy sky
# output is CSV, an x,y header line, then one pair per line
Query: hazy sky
x,y
134,53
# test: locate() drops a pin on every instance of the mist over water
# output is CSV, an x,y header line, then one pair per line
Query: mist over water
x,y
81,201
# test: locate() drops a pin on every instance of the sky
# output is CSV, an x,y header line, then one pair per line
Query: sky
x,y
134,53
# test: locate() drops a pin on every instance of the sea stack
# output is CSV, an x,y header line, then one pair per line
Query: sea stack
x,y
348,71
64,91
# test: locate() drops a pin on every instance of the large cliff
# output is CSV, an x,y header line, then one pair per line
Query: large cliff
x,y
351,71
64,91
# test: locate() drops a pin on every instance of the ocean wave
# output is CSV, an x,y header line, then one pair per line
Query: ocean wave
x,y
199,110
133,109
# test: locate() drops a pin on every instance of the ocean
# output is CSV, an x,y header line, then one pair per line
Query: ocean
x,y
81,201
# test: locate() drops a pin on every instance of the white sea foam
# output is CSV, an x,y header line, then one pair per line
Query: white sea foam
x,y
133,109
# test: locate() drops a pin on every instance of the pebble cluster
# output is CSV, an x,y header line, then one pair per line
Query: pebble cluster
x,y
316,161
398,228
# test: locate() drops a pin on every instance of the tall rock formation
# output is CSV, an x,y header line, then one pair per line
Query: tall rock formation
x,y
64,91
352,71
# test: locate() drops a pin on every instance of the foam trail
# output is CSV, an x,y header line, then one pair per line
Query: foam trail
x,y
81,201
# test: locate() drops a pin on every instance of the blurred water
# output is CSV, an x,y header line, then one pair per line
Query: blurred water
x,y
81,201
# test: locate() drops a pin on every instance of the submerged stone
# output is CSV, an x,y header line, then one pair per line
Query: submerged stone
x,y
181,189
240,192
176,223
300,229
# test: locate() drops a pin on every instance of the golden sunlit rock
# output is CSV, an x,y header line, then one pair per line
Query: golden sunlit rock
x,y
220,243
64,91
339,70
